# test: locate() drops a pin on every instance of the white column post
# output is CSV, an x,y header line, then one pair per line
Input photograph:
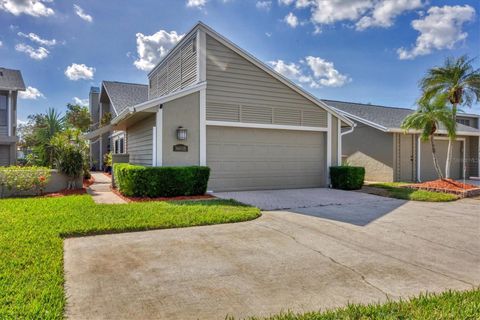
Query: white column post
x,y
159,137
203,128
329,145
154,146
419,158
9,113
339,142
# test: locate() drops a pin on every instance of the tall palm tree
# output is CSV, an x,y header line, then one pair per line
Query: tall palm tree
x,y
53,122
460,83
428,117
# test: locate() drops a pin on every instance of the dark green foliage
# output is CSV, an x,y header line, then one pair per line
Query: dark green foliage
x,y
347,177
140,181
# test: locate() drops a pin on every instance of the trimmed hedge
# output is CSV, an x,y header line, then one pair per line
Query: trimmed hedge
x,y
140,181
347,177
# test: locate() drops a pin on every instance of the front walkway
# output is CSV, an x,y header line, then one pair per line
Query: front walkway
x,y
100,190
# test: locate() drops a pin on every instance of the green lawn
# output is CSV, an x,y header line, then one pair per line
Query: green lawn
x,y
31,244
448,305
396,190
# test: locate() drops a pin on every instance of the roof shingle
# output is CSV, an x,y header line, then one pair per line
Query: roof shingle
x,y
11,79
124,95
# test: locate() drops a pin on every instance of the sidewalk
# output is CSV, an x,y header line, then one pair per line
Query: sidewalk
x,y
100,190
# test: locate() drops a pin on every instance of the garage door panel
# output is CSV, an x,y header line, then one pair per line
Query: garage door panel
x,y
249,159
427,170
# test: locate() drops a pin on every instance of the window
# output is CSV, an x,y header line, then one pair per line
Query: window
x,y
465,122
122,143
3,110
115,150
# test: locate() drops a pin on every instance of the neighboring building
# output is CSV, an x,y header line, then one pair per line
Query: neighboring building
x,y
106,103
211,103
388,154
11,82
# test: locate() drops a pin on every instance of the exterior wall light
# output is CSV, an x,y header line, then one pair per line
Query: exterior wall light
x,y
181,133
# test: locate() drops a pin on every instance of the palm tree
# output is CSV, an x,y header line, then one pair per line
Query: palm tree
x,y
460,83
52,123
428,117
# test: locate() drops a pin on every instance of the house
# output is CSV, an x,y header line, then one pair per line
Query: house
x,y
105,103
388,154
11,82
211,103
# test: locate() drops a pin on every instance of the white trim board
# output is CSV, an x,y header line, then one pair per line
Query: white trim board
x,y
329,146
203,127
262,126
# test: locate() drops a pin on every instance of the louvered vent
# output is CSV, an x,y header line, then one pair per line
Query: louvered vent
x,y
314,119
256,114
223,112
287,117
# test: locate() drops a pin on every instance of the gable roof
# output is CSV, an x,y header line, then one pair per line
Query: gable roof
x,y
249,57
11,79
123,95
382,117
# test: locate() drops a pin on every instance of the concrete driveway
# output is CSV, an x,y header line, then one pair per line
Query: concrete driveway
x,y
303,259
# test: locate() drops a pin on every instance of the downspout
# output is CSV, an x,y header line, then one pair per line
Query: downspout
x,y
340,143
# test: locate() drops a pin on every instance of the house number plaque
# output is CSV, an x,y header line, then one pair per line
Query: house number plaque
x,y
180,148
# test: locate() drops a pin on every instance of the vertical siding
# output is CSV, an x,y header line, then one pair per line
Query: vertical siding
x,y
140,141
472,157
177,72
4,155
239,91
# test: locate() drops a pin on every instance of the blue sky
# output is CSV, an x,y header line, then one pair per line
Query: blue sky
x,y
370,51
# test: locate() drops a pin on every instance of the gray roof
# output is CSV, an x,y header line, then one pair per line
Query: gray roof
x,y
11,79
387,117
123,95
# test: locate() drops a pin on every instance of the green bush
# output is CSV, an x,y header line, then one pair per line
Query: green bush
x,y
16,179
140,181
347,177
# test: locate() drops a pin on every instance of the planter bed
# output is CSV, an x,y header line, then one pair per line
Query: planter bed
x,y
146,199
448,186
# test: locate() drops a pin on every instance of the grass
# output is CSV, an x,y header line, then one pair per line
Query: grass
x,y
31,244
396,190
448,305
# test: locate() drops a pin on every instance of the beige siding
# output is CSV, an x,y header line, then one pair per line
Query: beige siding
x,y
183,112
250,159
4,155
238,91
140,141
370,148
177,72
427,171
334,140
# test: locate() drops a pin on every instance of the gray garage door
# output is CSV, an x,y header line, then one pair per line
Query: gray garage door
x,y
428,171
4,155
250,159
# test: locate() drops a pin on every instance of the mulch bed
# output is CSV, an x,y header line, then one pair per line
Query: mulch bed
x,y
448,186
88,182
65,192
145,199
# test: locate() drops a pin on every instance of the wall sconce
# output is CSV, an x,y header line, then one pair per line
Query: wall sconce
x,y
181,133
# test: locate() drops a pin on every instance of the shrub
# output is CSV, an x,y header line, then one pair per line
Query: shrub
x,y
70,163
347,177
18,179
140,181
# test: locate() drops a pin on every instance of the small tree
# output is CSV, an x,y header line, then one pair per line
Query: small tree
x,y
78,117
460,83
427,118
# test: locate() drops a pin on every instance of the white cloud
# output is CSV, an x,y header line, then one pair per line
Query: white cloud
x,y
152,48
325,74
1,43
440,28
80,102
291,20
196,3
264,5
314,71
30,93
384,12
79,71
35,8
82,14
39,53
35,38
364,13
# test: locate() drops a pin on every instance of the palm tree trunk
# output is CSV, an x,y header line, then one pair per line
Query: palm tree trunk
x,y
435,161
448,163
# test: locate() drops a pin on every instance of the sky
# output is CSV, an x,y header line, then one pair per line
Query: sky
x,y
368,51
